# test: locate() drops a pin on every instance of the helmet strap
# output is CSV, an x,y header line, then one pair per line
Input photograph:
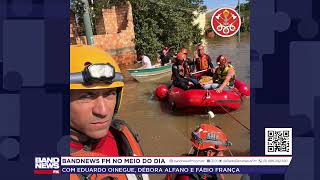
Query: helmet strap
x,y
191,151
210,153
81,137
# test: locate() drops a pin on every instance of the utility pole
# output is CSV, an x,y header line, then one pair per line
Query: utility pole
x,y
87,23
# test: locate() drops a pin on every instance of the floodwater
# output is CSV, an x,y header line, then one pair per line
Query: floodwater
x,y
163,133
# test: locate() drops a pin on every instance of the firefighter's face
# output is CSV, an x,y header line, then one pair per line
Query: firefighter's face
x,y
201,50
91,111
222,62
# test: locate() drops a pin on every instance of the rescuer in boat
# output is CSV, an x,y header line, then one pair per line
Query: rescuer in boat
x,y
190,62
203,60
164,57
195,52
145,60
223,77
181,73
96,87
207,140
191,67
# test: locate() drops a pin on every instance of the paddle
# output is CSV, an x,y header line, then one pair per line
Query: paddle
x,y
199,72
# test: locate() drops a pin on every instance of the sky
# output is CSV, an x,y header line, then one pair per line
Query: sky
x,y
213,4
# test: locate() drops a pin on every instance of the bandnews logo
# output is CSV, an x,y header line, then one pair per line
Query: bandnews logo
x,y
225,22
47,165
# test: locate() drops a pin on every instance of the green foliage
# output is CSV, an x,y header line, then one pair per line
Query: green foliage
x,y
76,6
98,5
245,15
159,23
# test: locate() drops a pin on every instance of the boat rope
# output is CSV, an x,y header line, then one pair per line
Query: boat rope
x,y
234,117
208,95
238,93
230,151
190,151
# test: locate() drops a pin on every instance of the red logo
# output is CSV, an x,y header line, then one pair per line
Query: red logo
x,y
225,22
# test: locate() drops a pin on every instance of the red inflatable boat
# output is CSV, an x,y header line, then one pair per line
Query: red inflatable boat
x,y
201,100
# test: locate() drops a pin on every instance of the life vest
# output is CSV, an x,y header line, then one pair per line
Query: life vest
x,y
186,67
127,143
183,70
202,63
222,73
191,177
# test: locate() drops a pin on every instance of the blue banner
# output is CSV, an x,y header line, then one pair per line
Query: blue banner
x,y
173,169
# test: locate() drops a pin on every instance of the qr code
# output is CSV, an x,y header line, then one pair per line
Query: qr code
x,y
278,141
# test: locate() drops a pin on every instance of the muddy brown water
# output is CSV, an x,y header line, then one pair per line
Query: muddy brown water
x,y
163,133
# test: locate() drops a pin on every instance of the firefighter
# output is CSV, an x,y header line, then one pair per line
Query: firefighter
x,y
96,88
